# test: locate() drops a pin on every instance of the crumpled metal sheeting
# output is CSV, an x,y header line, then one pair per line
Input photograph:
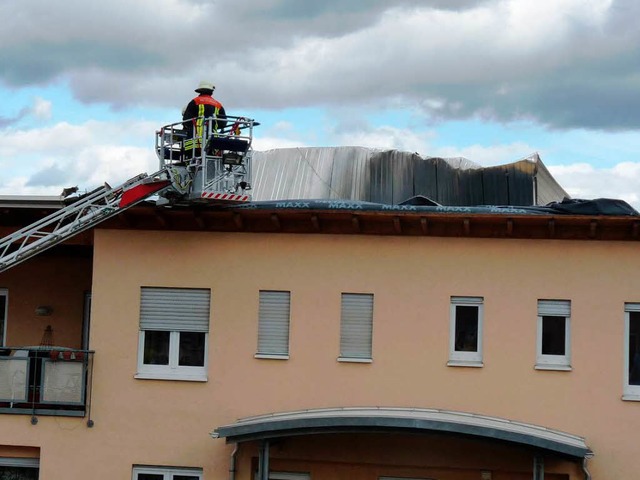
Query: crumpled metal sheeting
x,y
390,177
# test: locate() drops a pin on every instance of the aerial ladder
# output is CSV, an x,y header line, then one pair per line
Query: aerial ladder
x,y
216,171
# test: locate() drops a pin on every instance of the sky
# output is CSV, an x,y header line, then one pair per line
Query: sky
x,y
84,89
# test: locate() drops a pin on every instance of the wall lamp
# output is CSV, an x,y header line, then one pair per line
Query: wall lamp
x,y
44,311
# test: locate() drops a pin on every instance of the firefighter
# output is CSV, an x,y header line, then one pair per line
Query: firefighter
x,y
194,114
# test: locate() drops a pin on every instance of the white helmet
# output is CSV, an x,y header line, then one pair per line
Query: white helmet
x,y
205,87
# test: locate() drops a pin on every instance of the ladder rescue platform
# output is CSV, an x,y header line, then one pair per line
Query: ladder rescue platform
x,y
215,170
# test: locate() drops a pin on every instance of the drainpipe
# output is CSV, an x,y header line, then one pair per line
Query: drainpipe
x,y
232,463
587,475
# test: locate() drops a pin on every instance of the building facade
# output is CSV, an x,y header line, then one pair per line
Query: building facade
x,y
185,344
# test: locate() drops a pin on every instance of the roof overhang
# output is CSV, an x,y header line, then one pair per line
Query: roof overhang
x,y
402,420
31,201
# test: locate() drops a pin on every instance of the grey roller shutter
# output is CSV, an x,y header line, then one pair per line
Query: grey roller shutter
x,y
356,326
467,300
273,323
632,307
554,308
175,309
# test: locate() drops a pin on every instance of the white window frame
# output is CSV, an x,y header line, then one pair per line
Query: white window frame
x,y
3,334
546,308
167,472
263,317
630,392
356,358
172,371
465,359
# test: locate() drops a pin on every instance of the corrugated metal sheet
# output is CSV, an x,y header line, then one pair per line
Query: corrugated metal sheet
x,y
390,177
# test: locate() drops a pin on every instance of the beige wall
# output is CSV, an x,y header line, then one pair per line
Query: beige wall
x,y
162,422
56,281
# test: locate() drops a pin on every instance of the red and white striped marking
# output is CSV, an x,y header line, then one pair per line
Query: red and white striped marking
x,y
225,196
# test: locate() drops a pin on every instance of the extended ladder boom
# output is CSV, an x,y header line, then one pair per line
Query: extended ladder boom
x,y
95,207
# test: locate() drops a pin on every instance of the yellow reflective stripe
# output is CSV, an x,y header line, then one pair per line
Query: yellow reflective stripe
x,y
192,143
200,120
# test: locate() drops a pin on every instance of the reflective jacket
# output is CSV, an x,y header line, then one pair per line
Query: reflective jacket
x,y
204,105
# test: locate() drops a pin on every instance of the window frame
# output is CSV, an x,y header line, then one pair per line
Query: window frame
x,y
4,292
553,362
261,352
348,358
459,358
167,472
172,371
629,392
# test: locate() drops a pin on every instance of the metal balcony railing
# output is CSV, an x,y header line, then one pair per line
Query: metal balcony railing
x,y
45,381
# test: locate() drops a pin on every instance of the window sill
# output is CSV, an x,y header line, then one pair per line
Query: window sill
x,y
465,363
557,368
354,360
631,397
178,378
268,356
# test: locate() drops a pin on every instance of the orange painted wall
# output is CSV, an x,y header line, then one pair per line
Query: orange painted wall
x,y
168,423
56,281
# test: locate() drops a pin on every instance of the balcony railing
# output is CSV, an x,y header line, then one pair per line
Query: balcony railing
x,y
45,380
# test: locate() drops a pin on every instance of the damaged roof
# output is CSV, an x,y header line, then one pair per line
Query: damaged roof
x,y
391,176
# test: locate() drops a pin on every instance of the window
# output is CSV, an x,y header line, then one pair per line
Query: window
x,y
273,325
166,473
631,352
553,344
4,294
19,468
356,327
174,328
465,336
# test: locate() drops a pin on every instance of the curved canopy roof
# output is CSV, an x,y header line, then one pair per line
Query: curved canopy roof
x,y
407,420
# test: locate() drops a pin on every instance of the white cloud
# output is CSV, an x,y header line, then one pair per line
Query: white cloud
x,y
487,155
47,159
42,108
622,181
550,60
386,138
269,143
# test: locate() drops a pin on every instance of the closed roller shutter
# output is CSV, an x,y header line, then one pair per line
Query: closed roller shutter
x,y
555,308
356,325
175,309
273,323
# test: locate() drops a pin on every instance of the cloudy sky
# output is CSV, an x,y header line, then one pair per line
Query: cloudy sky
x,y
84,89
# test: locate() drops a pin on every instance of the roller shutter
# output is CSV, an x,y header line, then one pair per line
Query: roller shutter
x,y
175,309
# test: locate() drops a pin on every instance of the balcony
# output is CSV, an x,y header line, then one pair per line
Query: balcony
x,y
45,381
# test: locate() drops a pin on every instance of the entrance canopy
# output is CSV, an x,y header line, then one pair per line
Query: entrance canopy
x,y
401,420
